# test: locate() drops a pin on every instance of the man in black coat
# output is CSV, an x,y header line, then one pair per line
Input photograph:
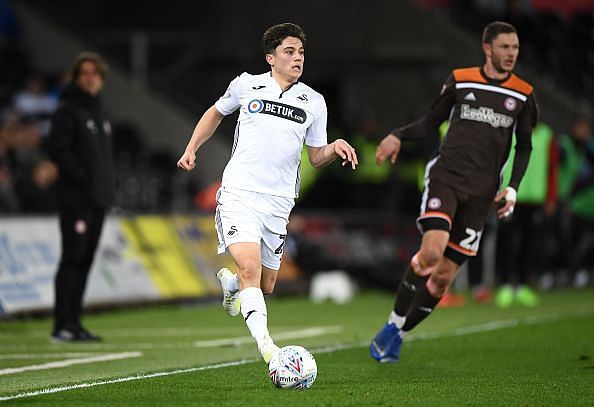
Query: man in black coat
x,y
80,144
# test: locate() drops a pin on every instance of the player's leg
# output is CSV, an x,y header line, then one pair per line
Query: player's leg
x,y
509,237
422,265
435,221
413,301
429,263
73,239
246,256
235,222
268,280
251,298
271,252
430,294
535,230
95,222
437,208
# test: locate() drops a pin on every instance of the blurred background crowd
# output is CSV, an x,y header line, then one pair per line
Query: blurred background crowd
x,y
372,84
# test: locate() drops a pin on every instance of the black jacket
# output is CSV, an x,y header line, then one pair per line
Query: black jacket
x,y
80,144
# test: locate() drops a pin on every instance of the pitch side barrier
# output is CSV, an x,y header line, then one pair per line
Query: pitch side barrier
x,y
153,258
140,259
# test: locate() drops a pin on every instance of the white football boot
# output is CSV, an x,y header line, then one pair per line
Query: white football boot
x,y
268,349
230,298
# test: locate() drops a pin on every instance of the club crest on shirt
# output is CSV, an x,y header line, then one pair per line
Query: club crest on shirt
x,y
434,203
277,109
510,104
303,98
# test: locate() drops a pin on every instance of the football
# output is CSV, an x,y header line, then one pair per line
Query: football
x,y
293,367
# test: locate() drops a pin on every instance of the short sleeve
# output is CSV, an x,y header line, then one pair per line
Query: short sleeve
x,y
316,135
229,102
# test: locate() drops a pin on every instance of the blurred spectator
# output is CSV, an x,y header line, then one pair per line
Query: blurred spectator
x,y
35,186
8,198
521,242
80,144
13,63
576,189
10,30
557,36
35,103
370,180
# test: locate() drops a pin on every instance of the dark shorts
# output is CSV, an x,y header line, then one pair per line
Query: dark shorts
x,y
462,215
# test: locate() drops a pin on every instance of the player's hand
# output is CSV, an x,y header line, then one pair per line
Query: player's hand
x,y
508,196
389,147
346,152
187,162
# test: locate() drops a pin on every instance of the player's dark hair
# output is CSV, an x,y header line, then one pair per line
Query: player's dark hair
x,y
275,35
494,29
83,57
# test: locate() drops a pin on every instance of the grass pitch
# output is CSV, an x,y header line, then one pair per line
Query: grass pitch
x,y
176,355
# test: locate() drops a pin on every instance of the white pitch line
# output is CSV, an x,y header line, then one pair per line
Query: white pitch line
x,y
16,356
328,349
242,340
237,341
496,325
126,379
147,331
71,362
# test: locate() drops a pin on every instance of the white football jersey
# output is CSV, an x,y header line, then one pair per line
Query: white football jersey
x,y
270,132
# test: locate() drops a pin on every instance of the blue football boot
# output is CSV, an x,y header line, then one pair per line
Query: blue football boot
x,y
385,347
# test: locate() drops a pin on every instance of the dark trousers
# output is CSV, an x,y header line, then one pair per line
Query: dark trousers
x,y
521,248
81,229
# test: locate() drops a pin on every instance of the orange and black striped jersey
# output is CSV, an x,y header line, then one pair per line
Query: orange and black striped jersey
x,y
483,115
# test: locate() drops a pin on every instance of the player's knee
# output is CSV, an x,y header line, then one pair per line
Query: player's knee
x,y
430,256
439,283
249,269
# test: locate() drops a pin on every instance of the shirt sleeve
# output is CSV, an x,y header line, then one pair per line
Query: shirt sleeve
x,y
316,135
229,102
440,111
526,123
61,141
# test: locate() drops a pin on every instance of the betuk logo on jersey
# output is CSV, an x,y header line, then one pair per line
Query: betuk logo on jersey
x,y
277,109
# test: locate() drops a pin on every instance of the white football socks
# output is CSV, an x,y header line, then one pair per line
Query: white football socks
x,y
396,320
253,309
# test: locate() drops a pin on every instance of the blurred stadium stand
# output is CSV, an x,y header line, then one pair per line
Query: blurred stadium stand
x,y
387,71
378,64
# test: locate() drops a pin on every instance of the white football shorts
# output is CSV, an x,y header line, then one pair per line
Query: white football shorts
x,y
246,216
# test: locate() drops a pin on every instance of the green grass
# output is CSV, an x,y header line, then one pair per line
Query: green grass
x,y
527,357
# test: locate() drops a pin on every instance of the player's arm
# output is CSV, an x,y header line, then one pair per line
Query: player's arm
x,y
319,152
526,123
205,128
428,124
210,120
319,157
62,137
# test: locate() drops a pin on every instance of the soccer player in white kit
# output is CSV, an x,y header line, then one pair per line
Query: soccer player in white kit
x,y
278,114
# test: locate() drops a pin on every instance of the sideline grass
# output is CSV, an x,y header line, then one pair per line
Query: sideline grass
x,y
545,359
